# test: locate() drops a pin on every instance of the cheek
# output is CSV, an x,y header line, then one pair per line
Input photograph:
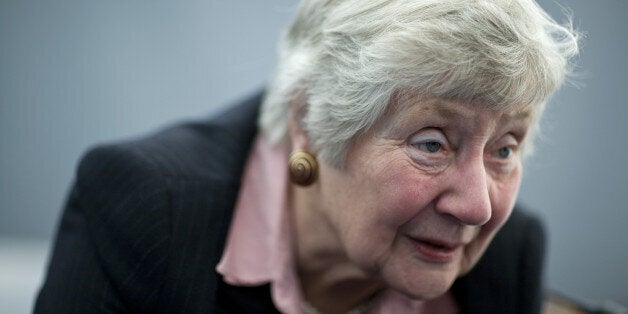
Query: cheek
x,y
402,195
390,197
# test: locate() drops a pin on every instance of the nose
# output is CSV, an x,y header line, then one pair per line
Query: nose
x,y
465,194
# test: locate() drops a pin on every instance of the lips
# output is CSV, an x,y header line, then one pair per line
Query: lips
x,y
436,251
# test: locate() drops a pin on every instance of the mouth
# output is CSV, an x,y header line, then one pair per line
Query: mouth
x,y
436,251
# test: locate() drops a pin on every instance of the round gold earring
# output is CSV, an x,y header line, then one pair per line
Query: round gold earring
x,y
303,168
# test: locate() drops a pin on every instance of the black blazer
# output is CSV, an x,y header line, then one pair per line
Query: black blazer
x,y
146,221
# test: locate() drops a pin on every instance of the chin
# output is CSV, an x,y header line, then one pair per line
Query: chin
x,y
425,285
429,292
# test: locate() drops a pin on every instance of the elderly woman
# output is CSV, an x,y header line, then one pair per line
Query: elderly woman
x,y
388,156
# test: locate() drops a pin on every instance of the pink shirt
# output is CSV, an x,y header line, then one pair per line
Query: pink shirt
x,y
259,246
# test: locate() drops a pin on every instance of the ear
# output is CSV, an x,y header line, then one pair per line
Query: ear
x,y
296,113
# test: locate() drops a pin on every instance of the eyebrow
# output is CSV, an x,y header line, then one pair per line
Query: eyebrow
x,y
448,112
519,115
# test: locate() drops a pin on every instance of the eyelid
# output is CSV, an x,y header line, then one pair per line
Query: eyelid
x,y
508,139
428,135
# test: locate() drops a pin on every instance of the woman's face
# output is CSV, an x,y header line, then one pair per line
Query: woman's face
x,y
422,194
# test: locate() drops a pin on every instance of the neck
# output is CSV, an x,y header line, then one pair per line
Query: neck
x,y
330,282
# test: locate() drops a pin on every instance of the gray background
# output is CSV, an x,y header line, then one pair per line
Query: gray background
x,y
75,73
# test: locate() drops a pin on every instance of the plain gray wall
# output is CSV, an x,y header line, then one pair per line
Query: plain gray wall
x,y
75,73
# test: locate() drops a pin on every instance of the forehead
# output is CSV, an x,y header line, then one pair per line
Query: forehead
x,y
405,100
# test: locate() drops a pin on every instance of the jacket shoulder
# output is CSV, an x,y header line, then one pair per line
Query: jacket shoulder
x,y
141,209
168,199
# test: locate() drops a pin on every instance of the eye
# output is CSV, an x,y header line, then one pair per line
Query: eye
x,y
430,147
505,148
504,152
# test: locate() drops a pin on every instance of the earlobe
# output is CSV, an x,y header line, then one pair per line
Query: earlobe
x,y
303,168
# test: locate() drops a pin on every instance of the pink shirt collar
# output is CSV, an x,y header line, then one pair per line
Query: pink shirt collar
x,y
259,246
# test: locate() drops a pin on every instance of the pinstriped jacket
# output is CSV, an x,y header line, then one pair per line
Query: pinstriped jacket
x,y
146,221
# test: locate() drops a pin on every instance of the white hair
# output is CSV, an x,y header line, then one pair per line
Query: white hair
x,y
341,61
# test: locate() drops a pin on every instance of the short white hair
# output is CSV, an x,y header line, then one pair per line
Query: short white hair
x,y
341,61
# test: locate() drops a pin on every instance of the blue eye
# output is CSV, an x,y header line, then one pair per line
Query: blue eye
x,y
430,147
504,152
